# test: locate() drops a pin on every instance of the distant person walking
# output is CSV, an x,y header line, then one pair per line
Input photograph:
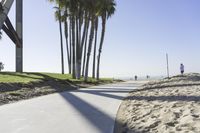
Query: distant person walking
x,y
136,77
182,68
1,66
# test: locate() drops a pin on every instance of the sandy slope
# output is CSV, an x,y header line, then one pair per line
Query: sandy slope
x,y
166,106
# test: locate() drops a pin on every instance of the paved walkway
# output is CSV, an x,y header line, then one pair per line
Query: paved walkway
x,y
90,110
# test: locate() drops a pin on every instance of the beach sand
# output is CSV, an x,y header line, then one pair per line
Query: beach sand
x,y
165,106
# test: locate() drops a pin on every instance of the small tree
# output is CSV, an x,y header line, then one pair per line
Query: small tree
x,y
1,66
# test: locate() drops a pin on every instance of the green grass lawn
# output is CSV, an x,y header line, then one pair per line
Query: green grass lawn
x,y
12,77
19,86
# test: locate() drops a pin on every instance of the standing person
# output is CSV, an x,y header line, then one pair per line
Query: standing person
x,y
182,68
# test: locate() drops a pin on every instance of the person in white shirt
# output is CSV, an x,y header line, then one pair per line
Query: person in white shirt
x,y
182,68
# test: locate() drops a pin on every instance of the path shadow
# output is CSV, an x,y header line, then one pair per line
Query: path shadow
x,y
96,117
122,85
106,90
99,119
115,88
105,93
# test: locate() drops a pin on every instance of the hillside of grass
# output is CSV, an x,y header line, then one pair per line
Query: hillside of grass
x,y
25,78
19,86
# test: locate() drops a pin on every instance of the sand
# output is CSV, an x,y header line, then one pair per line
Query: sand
x,y
165,106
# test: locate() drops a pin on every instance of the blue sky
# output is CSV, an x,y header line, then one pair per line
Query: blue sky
x,y
137,39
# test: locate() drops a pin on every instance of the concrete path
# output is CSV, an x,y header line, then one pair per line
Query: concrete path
x,y
91,110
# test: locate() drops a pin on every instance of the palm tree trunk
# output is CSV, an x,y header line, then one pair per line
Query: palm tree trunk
x,y
84,42
77,45
89,48
61,43
84,32
85,47
73,49
70,44
95,45
67,45
101,44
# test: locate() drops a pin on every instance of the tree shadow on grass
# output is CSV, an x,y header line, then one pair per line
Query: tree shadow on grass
x,y
12,92
45,80
20,75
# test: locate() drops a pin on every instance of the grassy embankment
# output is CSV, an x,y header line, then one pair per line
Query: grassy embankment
x,y
12,77
18,86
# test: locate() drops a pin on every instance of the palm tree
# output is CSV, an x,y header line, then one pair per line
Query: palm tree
x,y
95,45
65,20
107,10
58,17
92,6
79,31
84,40
89,48
81,18
66,38
71,6
73,45
84,45
61,39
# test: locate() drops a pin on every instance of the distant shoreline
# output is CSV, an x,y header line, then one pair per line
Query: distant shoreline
x,y
141,78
